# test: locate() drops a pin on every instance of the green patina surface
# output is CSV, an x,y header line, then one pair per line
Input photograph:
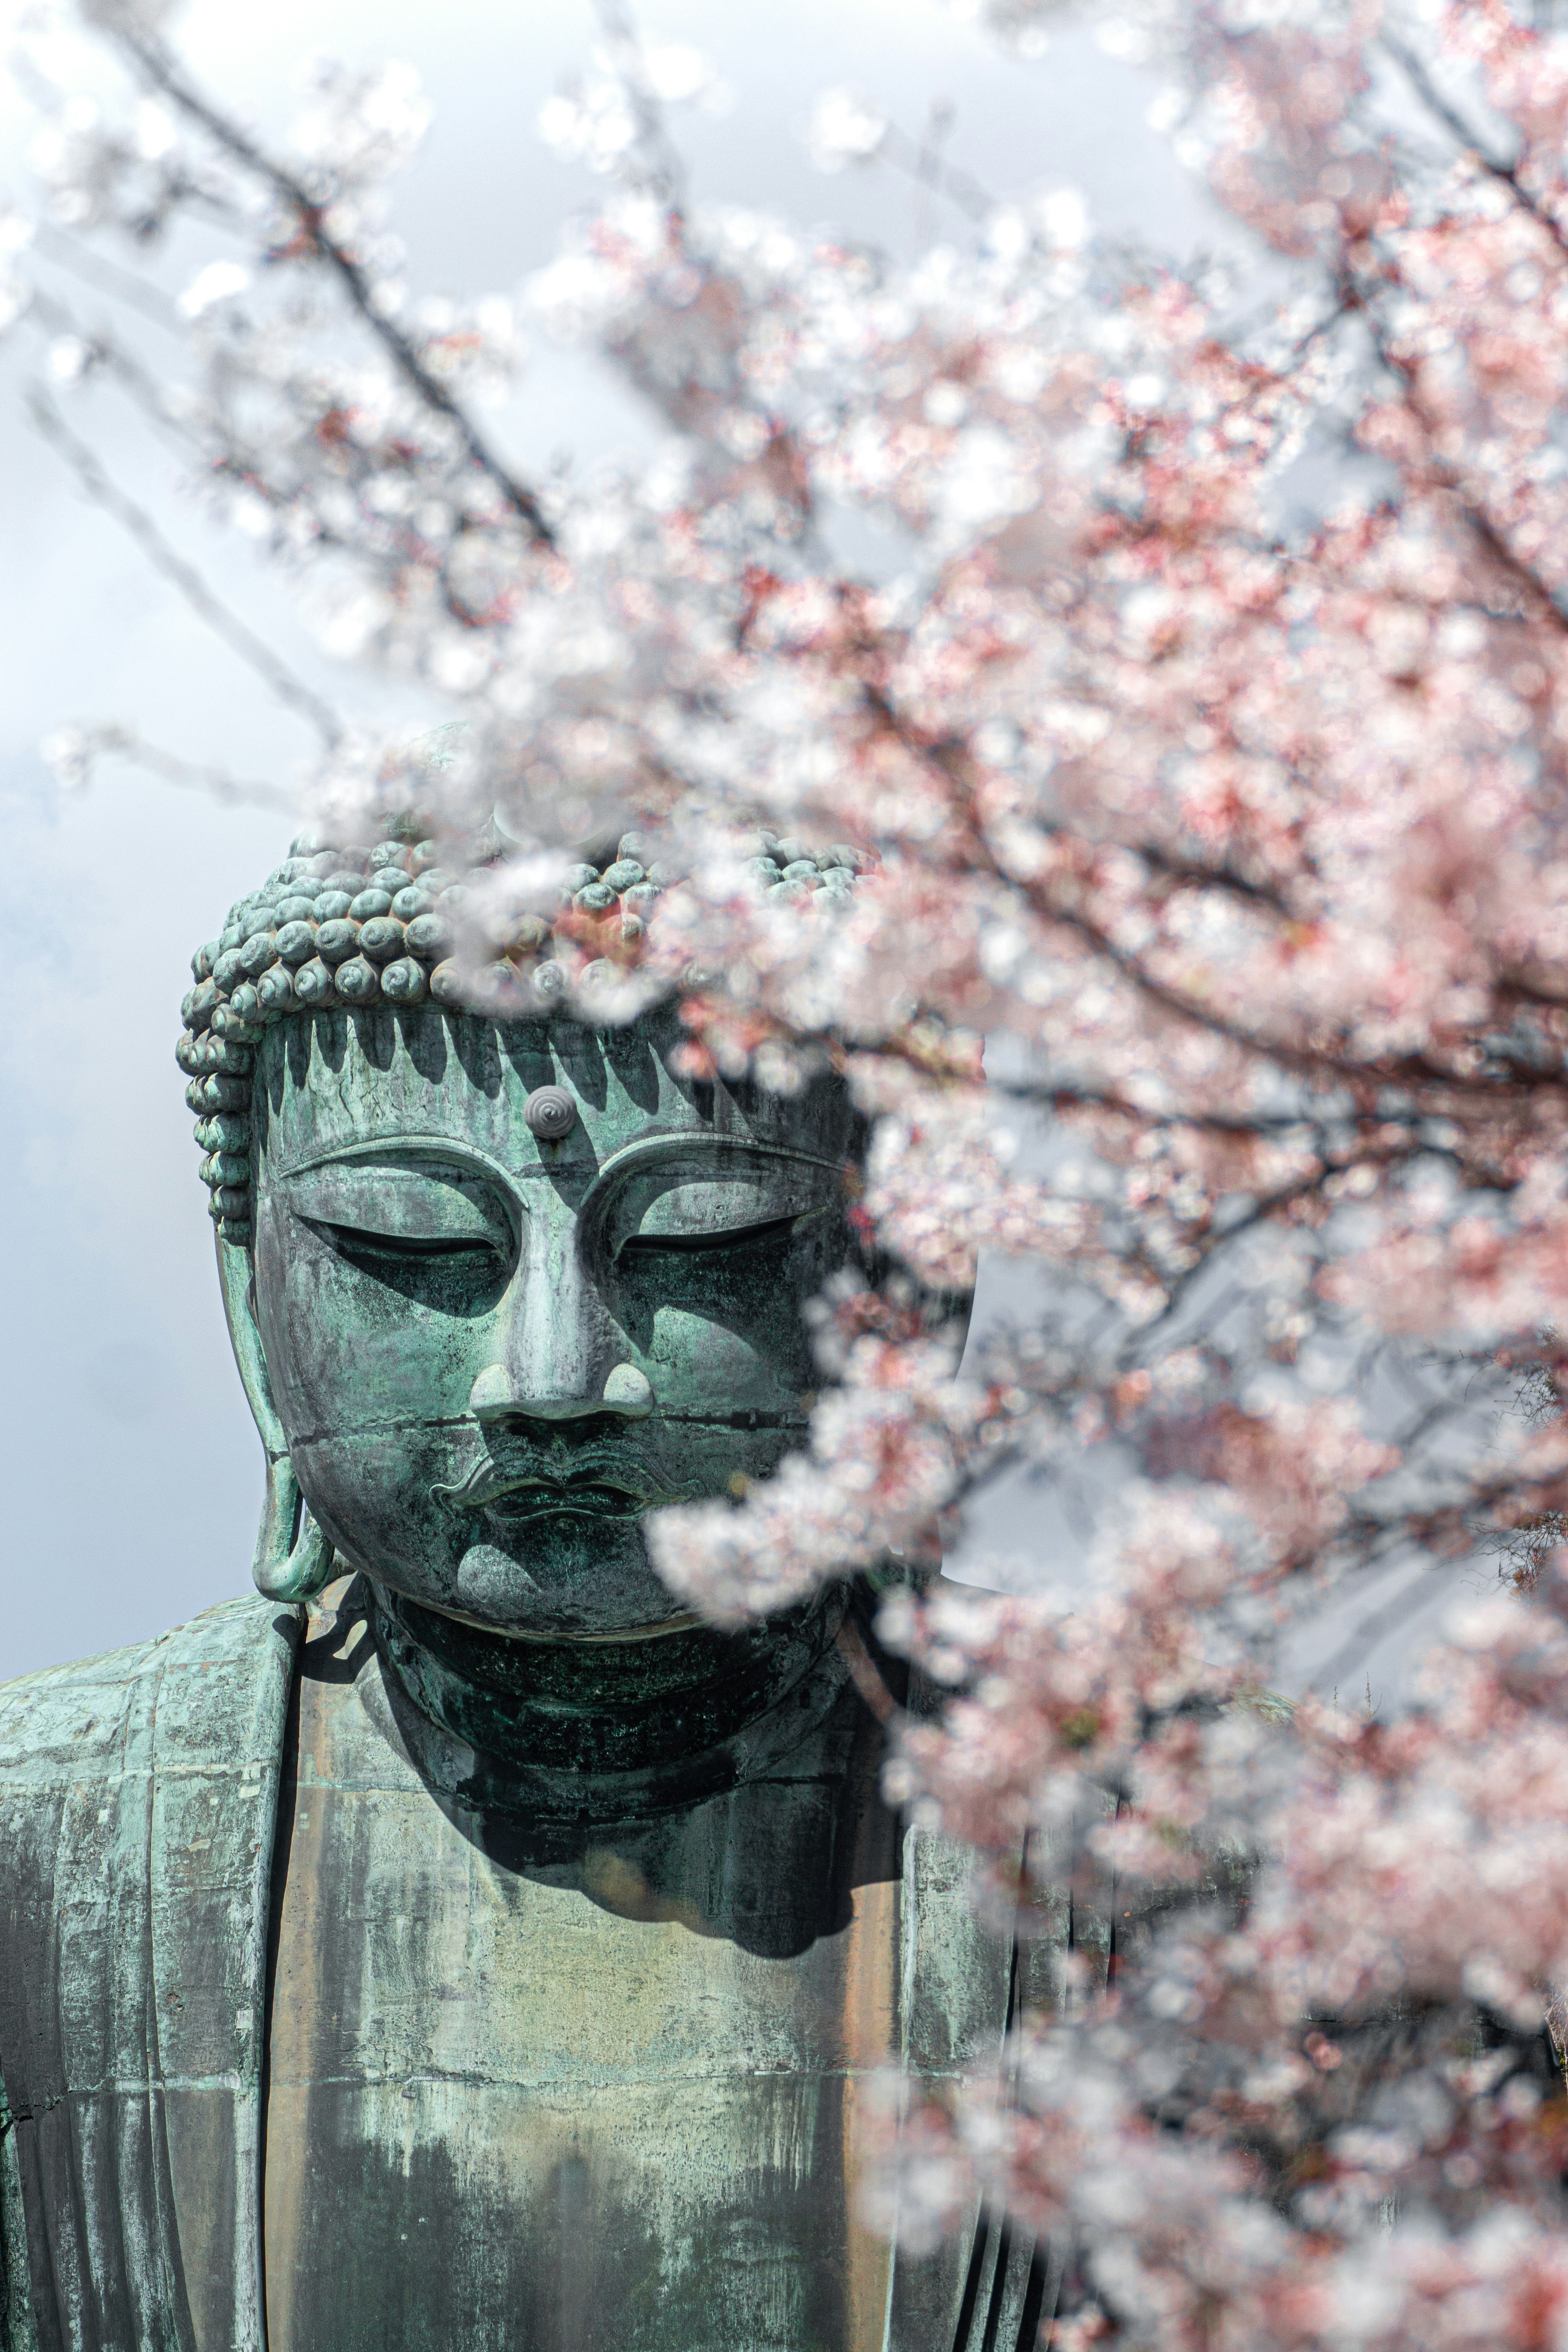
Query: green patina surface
x,y
539,2012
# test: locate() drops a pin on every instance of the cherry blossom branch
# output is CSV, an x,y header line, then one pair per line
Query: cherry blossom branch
x,y
1415,72
1305,1060
158,65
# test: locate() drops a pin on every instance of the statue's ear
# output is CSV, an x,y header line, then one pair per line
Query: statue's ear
x,y
234,1274
293,1558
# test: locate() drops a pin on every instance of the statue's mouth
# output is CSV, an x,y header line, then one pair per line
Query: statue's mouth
x,y
530,1494
533,1498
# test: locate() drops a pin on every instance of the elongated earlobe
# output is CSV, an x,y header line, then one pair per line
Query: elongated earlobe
x,y
293,1558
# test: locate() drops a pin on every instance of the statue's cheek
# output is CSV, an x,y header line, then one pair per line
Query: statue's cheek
x,y
697,1361
346,1351
373,1491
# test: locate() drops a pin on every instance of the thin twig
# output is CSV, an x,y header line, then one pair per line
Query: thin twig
x,y
106,351
1057,1095
236,634
105,278
929,170
663,167
123,743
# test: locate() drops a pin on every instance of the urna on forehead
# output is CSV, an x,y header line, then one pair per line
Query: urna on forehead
x,y
531,1095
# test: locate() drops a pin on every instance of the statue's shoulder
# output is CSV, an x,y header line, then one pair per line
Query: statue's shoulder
x,y
138,1794
207,1676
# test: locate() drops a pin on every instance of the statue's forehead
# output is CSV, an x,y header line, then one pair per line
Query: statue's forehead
x,y
336,1080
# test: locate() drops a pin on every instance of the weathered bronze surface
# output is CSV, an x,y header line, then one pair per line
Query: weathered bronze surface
x,y
483,1953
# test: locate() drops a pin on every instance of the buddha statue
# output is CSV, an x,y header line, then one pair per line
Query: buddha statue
x,y
458,1944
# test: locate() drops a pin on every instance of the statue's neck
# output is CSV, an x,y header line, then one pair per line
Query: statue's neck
x,y
660,1721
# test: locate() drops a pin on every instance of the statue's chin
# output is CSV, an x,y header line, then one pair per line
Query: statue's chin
x,y
550,1576
573,1585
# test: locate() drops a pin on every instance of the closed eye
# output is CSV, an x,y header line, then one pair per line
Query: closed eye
x,y
733,1237
358,1245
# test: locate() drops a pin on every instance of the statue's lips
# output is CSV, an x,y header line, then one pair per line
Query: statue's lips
x,y
526,1495
531,1498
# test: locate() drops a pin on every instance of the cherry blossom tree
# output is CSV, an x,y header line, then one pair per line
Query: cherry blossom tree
x,y
1206,758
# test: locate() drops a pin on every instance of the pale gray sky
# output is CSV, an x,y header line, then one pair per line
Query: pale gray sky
x,y
132,1473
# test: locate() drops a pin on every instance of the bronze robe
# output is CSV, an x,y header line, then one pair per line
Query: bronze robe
x,y
138,1810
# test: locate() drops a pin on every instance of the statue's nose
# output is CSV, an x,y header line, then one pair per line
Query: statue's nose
x,y
557,1357
494,1397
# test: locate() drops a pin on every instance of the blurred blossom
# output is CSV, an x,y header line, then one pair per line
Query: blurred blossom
x,y
845,128
679,74
364,126
592,127
219,281
67,754
68,358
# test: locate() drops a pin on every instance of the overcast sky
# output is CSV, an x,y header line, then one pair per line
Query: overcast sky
x,y
132,1472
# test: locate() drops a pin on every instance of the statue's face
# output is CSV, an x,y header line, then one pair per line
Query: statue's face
x,y
492,1353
